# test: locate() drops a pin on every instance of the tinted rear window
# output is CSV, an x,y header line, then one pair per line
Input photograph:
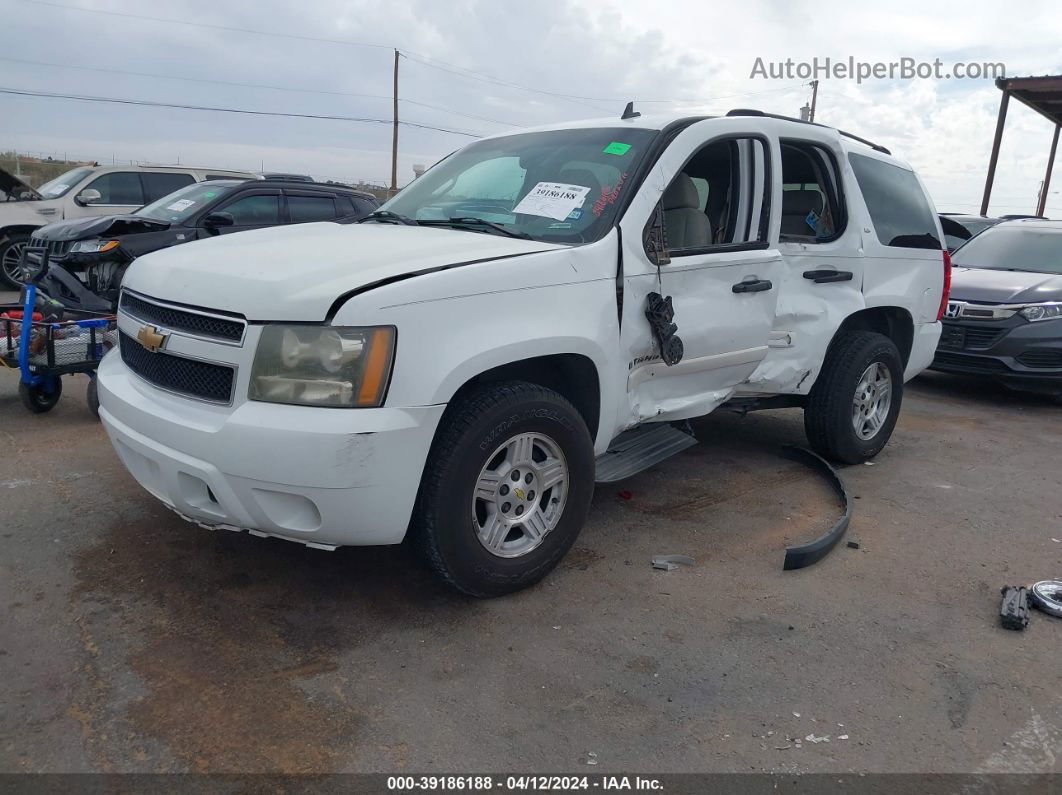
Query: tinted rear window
x,y
159,184
304,209
898,207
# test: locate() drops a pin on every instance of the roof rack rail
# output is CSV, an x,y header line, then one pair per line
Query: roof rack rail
x,y
754,112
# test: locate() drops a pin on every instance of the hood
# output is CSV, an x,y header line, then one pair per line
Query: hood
x,y
1004,287
100,226
32,213
15,187
297,272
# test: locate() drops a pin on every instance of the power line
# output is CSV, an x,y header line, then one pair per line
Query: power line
x,y
226,28
468,73
425,60
147,103
253,85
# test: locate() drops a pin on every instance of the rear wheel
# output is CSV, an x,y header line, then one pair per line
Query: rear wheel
x,y
506,488
11,247
38,398
852,409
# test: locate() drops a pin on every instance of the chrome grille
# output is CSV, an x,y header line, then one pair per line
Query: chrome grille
x,y
198,379
187,321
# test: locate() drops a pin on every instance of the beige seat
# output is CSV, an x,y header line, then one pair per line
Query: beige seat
x,y
687,226
797,205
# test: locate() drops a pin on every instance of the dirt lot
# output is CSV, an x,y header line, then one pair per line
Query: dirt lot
x,y
132,641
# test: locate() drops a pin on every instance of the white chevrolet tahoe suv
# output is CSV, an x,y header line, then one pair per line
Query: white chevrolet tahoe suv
x,y
530,316
80,192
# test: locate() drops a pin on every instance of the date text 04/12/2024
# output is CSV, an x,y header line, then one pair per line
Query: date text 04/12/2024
x,y
473,783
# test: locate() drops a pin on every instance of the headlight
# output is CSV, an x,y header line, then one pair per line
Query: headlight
x,y
323,365
93,246
1042,312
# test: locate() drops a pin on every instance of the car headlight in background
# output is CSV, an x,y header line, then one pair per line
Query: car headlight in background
x,y
93,246
337,366
1042,312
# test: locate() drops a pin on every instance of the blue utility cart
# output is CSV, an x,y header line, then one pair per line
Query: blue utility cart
x,y
62,343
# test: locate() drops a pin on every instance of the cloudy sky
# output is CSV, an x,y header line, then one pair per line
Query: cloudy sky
x,y
483,66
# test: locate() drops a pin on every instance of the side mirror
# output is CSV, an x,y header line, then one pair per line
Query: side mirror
x,y
87,196
656,238
215,220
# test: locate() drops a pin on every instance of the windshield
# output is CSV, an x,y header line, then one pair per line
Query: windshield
x,y
561,186
54,188
177,207
1022,248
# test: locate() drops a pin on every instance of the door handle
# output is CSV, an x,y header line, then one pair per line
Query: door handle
x,y
752,286
826,276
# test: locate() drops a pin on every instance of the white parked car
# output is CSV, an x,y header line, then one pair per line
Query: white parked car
x,y
85,191
463,365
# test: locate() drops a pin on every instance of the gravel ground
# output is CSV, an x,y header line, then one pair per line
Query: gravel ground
x,y
132,641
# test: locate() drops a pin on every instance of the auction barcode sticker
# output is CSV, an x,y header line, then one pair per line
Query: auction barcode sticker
x,y
552,200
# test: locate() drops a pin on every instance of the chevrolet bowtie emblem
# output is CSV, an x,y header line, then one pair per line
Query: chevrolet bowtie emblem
x,y
151,338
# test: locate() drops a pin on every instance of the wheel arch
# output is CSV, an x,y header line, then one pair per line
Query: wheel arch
x,y
17,229
893,322
575,376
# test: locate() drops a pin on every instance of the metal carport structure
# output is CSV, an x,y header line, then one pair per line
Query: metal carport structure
x,y
1043,95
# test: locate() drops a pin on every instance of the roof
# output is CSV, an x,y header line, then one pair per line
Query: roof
x,y
1031,223
661,121
298,184
1042,94
166,166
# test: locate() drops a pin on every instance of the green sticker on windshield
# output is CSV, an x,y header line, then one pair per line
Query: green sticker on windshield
x,y
210,194
616,148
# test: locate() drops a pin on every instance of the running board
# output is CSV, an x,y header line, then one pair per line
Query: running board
x,y
639,448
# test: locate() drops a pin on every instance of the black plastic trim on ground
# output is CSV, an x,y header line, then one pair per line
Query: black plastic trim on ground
x,y
801,555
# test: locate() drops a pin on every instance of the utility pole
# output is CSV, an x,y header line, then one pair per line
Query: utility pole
x,y
394,136
1045,186
814,98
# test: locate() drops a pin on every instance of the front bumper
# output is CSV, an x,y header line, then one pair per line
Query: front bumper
x,y
323,477
1014,351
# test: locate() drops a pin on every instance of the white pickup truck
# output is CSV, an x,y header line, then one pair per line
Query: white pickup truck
x,y
530,316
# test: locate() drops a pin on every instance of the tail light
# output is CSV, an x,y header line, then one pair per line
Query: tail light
x,y
946,292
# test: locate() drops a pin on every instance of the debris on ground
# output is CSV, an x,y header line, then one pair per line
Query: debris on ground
x,y
853,545
811,738
625,494
591,758
671,562
1046,595
1014,611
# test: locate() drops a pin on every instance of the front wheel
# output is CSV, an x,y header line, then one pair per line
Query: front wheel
x,y
506,488
852,409
11,247
92,396
37,398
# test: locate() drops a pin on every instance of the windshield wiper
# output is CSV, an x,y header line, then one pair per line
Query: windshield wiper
x,y
466,221
387,215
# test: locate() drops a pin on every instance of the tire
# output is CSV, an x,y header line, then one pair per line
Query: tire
x,y
482,439
92,397
830,412
37,400
10,251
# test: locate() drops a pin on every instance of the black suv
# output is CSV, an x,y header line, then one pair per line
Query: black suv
x,y
88,256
